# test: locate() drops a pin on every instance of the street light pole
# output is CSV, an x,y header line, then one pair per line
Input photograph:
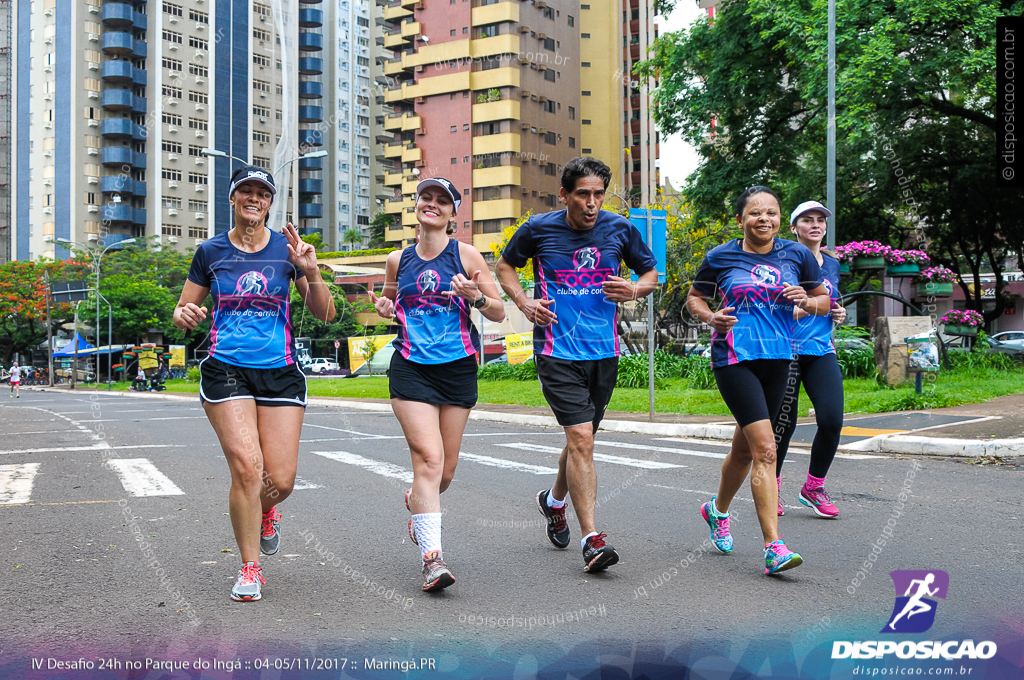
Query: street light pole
x,y
831,133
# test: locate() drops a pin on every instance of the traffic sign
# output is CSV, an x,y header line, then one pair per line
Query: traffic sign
x,y
337,344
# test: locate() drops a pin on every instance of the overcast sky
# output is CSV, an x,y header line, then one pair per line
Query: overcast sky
x,y
678,159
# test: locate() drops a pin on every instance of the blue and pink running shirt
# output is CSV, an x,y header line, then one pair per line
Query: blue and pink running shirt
x,y
753,284
433,328
569,266
812,335
251,326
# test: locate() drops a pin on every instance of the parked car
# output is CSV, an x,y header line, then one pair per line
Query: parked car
x,y
1014,339
322,364
503,359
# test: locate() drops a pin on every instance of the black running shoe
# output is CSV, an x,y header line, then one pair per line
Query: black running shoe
x,y
558,530
598,555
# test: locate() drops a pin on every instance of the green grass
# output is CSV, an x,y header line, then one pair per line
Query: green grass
x,y
863,395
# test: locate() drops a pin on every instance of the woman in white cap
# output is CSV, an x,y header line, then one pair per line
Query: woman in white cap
x,y
429,288
250,384
815,366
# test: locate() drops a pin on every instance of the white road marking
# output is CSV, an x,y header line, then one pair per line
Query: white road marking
x,y
18,434
602,457
139,477
339,429
507,464
16,483
98,447
302,484
375,466
400,436
661,449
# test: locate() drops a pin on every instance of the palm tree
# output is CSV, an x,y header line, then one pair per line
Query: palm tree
x,y
351,237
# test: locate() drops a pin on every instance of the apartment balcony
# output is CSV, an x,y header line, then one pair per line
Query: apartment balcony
x,y
138,215
393,179
117,212
117,184
505,109
139,77
498,12
311,138
311,186
117,100
311,42
497,209
139,133
311,114
311,210
138,188
139,49
310,89
311,66
117,128
501,175
310,231
397,13
311,18
311,163
140,22
118,15
120,72
119,43
310,2
500,143
138,160
139,104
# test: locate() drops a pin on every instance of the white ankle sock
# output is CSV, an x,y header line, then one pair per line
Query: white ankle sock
x,y
428,531
552,503
583,543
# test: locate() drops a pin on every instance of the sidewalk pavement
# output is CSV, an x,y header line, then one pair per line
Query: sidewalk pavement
x,y
994,428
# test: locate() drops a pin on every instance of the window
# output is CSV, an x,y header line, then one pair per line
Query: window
x,y
465,159
90,198
172,64
195,151
585,64
465,30
197,124
261,60
172,92
549,75
198,206
586,152
90,112
572,21
171,36
262,162
93,56
91,227
260,34
452,32
572,142
198,232
171,119
260,136
585,93
197,178
549,137
549,106
550,200
197,97
198,43
92,27
278,115
200,71
465,126
549,44
586,122
261,111
171,147
170,229
173,10
572,113
584,35
172,175
280,89
455,128
91,170
550,169
261,85
454,161
548,13
203,17
261,9
489,31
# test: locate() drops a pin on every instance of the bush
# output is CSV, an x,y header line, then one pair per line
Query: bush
x,y
700,374
522,372
635,368
972,361
909,400
192,375
856,363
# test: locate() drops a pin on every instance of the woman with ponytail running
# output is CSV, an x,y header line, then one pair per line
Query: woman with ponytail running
x,y
761,279
815,366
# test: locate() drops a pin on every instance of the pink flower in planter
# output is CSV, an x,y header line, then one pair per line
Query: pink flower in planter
x,y
938,274
918,257
862,249
960,317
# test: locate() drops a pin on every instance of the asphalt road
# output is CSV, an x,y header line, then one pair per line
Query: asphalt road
x,y
79,473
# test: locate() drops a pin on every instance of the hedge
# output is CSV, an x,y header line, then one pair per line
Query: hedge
x,y
355,253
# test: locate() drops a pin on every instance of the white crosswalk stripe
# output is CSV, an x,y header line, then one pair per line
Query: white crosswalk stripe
x,y
376,466
602,457
16,483
140,477
507,464
661,449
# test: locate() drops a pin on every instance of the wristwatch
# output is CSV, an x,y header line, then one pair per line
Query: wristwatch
x,y
481,303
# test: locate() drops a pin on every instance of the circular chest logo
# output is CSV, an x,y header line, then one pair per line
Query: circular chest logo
x,y
765,275
252,283
428,281
586,258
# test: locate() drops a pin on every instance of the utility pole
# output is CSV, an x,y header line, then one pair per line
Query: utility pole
x,y
49,331
831,133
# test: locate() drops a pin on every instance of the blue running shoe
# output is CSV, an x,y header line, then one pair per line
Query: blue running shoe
x,y
720,536
777,557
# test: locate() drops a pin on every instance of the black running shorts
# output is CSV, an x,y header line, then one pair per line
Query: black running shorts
x,y
753,390
451,383
577,391
220,382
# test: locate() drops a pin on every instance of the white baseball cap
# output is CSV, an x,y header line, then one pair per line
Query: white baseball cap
x,y
453,193
807,206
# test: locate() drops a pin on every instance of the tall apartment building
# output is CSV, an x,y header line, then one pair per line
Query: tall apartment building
x,y
616,105
117,99
485,93
6,102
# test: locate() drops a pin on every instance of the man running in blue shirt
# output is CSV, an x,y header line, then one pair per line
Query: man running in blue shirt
x,y
576,254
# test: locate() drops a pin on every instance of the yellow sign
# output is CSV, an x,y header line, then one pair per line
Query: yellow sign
x,y
361,349
519,347
148,357
177,355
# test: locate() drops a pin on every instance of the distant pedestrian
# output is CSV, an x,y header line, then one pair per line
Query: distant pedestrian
x,y
250,384
15,374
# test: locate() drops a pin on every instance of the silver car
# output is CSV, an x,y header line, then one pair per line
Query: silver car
x,y
1014,339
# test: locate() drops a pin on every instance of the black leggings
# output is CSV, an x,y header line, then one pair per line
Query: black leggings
x,y
753,390
824,384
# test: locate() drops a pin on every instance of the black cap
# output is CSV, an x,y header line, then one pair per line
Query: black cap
x,y
252,173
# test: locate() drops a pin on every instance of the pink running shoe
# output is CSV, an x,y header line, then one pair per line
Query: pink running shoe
x,y
819,501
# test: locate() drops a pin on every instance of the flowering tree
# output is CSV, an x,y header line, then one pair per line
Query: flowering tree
x,y
23,303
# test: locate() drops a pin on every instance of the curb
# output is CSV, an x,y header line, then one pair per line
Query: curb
x,y
885,443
